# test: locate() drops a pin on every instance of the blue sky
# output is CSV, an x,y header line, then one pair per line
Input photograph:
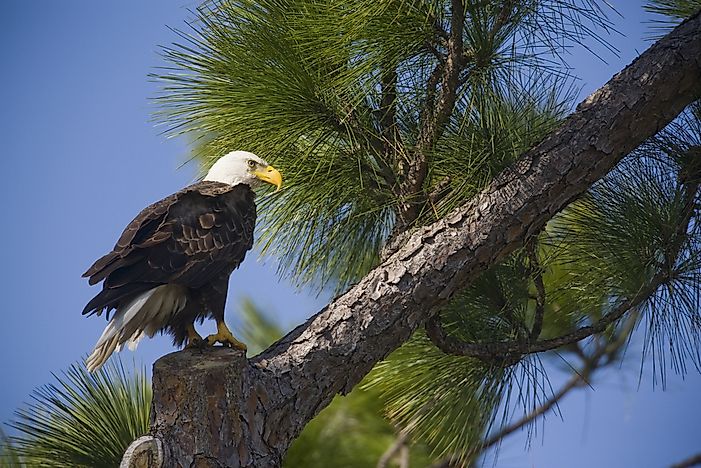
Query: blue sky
x,y
81,157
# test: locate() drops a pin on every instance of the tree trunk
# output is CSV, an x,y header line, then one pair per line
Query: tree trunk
x,y
197,413
214,408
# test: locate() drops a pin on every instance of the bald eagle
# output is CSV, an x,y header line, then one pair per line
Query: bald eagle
x,y
172,263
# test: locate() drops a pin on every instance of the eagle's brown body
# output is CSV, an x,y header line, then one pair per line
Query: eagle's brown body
x,y
175,257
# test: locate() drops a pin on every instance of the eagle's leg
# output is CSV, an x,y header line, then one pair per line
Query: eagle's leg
x,y
194,340
214,299
225,337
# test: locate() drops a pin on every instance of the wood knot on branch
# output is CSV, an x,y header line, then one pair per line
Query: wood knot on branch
x,y
500,355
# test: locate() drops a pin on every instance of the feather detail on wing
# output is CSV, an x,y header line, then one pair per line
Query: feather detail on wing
x,y
188,238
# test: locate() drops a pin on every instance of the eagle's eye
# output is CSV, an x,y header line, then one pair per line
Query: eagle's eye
x,y
251,163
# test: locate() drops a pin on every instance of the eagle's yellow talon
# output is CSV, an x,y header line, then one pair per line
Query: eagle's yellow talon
x,y
225,337
194,340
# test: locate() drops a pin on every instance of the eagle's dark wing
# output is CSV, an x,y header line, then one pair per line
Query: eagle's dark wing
x,y
188,238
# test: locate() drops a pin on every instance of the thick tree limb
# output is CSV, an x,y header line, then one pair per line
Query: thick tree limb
x,y
268,400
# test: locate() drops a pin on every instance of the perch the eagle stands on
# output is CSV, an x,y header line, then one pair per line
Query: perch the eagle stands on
x,y
172,263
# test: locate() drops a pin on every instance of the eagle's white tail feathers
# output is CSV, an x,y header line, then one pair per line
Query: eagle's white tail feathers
x,y
145,315
134,341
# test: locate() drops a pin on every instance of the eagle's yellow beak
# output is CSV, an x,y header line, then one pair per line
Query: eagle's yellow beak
x,y
271,176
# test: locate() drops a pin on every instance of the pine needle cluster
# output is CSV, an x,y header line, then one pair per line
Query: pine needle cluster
x,y
83,419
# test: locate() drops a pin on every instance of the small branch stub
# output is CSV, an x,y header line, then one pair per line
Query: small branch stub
x,y
196,410
144,452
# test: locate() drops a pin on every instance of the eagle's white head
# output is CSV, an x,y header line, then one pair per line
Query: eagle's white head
x,y
242,167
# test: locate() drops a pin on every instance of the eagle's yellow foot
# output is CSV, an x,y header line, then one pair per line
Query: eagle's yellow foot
x,y
194,340
225,337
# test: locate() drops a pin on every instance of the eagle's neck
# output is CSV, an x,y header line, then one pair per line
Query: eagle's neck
x,y
232,182
225,178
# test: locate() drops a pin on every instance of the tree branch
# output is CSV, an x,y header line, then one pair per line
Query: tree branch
x,y
396,447
441,93
511,351
274,395
436,117
575,381
593,362
431,91
440,190
689,462
540,290
388,111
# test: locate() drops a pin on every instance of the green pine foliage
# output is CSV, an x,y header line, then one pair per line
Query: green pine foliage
x,y
350,433
444,401
83,419
9,458
671,13
489,130
299,82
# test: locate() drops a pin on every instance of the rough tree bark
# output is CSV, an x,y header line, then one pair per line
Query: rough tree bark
x,y
215,408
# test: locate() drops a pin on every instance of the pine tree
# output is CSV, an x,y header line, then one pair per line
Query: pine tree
x,y
387,116
425,144
80,420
